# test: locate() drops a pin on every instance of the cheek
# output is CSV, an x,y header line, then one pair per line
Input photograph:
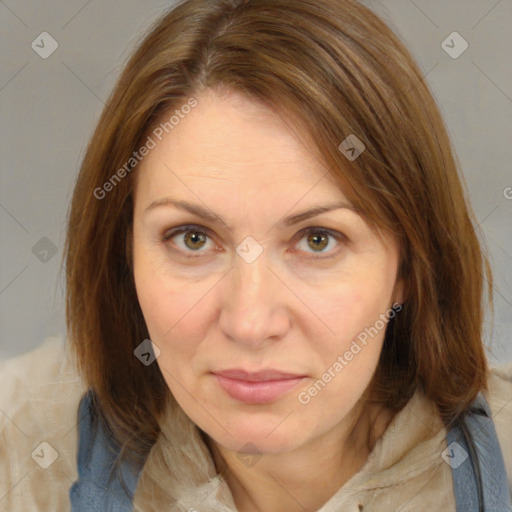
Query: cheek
x,y
353,307
158,301
171,330
347,359
176,315
170,313
354,312
158,296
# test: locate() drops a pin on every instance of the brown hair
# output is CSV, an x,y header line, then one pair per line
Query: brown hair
x,y
339,69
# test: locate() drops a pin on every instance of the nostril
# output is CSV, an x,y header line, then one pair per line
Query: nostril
x,y
360,506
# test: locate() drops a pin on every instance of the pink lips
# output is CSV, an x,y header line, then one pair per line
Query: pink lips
x,y
256,387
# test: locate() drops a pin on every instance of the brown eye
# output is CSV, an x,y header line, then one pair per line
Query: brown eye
x,y
194,240
188,239
318,239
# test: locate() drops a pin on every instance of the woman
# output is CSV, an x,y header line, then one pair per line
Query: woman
x,y
274,280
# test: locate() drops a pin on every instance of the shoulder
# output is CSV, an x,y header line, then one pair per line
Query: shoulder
x,y
499,398
41,390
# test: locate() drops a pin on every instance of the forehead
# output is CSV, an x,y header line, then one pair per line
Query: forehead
x,y
231,140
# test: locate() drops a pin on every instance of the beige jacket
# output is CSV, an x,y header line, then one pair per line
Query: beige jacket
x,y
39,397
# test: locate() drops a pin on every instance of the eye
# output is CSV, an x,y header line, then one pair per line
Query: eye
x,y
319,239
195,238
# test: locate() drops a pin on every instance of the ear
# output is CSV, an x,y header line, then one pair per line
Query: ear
x,y
400,292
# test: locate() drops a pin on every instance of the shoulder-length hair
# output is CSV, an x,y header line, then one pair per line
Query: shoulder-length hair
x,y
339,69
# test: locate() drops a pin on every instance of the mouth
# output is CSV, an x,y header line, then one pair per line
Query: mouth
x,y
261,387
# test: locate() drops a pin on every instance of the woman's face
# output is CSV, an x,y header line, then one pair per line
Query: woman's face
x,y
269,323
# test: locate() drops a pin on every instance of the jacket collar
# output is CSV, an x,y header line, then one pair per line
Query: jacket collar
x,y
409,449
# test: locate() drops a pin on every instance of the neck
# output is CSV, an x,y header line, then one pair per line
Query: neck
x,y
307,477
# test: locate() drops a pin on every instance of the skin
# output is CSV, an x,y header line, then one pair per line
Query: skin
x,y
285,310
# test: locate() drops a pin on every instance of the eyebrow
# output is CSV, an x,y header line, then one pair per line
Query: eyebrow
x,y
206,214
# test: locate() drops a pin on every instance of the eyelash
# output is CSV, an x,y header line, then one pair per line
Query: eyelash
x,y
339,237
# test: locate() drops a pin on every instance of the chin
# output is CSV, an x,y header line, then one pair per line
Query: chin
x,y
257,445
250,434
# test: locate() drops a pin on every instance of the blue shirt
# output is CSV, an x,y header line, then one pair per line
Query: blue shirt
x,y
95,491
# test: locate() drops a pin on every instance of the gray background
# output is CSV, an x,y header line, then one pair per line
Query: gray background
x,y
50,107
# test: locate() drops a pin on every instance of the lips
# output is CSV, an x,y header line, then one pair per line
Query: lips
x,y
264,375
257,387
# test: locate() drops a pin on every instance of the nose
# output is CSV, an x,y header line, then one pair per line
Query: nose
x,y
254,311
